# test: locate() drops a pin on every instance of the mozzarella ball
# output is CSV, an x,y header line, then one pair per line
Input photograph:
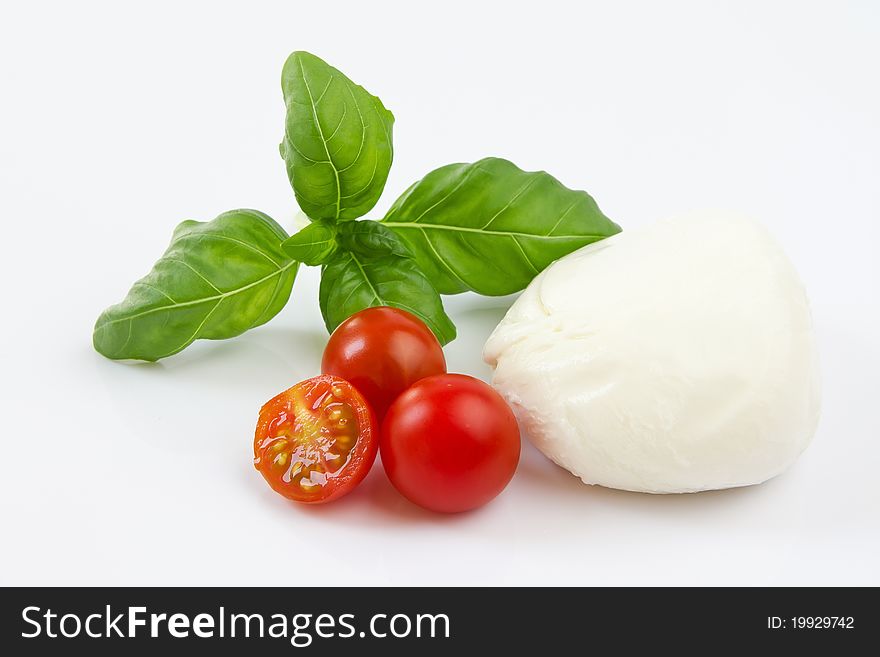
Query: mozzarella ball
x,y
674,358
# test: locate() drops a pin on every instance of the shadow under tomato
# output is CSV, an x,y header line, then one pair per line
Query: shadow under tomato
x,y
374,502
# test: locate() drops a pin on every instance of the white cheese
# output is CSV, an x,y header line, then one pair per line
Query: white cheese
x,y
675,358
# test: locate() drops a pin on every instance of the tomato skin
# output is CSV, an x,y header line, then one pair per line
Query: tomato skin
x,y
382,351
450,443
307,423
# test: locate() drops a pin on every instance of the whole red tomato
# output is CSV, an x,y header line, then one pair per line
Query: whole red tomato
x,y
315,441
382,351
450,443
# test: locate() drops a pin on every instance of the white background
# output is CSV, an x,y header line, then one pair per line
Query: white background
x,y
117,123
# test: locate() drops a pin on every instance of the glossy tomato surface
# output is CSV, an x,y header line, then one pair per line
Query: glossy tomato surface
x,y
382,351
316,441
450,443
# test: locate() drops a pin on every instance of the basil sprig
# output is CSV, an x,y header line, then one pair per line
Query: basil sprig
x,y
487,227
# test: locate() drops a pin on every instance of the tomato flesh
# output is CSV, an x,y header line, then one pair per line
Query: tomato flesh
x,y
315,441
382,351
450,443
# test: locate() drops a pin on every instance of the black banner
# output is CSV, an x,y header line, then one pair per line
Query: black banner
x,y
113,621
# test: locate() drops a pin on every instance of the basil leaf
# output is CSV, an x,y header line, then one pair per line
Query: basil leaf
x,y
355,280
217,279
337,140
491,227
369,238
313,245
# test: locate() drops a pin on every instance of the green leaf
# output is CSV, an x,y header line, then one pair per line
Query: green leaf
x,y
313,245
363,278
217,279
369,238
491,227
337,140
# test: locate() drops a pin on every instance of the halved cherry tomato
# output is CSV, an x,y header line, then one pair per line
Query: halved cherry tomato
x,y
382,351
316,441
450,443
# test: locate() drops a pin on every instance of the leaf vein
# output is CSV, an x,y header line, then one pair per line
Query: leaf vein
x,y
369,283
443,261
196,302
321,95
457,186
153,287
357,106
464,229
250,247
304,156
321,135
195,333
194,271
369,182
525,255
513,198
338,125
562,216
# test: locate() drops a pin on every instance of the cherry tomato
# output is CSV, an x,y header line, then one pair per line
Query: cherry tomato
x,y
382,351
316,441
450,443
